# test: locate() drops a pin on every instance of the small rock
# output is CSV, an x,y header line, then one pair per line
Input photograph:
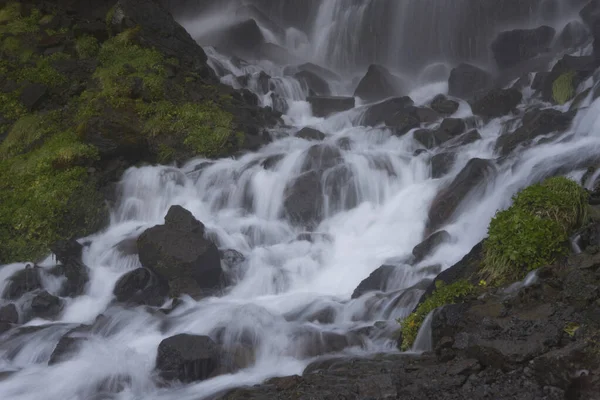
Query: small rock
x,y
310,134
67,346
141,286
374,282
9,314
443,105
187,358
324,106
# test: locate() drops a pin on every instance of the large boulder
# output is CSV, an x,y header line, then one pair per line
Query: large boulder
x,y
449,128
141,286
324,73
571,70
535,123
243,37
316,85
303,199
310,134
513,47
497,103
376,281
441,164
180,252
45,305
573,34
323,106
187,358
378,84
383,112
467,80
471,180
159,29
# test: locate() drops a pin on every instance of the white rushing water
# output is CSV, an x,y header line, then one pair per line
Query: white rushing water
x,y
374,217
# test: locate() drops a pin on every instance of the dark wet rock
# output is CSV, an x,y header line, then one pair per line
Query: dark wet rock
x,y
141,286
313,343
573,34
270,162
470,137
424,114
340,189
65,349
33,95
378,84
513,47
320,71
180,252
404,123
385,111
539,79
441,164
535,123
316,85
127,247
472,179
310,134
303,199
23,281
374,282
69,253
344,143
467,80
159,30
232,258
580,67
453,126
418,152
497,103
314,237
251,11
187,358
431,138
429,245
444,105
9,314
323,106
321,157
46,306
5,327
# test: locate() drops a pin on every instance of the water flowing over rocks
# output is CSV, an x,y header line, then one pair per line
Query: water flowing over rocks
x,y
345,159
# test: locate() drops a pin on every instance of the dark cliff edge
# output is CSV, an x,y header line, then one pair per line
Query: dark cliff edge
x,y
88,89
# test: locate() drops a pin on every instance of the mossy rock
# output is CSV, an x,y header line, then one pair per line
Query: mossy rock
x,y
563,88
443,295
534,231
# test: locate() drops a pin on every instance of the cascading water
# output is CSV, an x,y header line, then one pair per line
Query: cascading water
x,y
375,199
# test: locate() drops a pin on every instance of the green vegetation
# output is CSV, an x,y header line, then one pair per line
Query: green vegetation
x,y
45,192
13,22
534,231
563,88
87,46
443,295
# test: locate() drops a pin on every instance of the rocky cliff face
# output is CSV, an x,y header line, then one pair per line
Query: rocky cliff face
x,y
88,90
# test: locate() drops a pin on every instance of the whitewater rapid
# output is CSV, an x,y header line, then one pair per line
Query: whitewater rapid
x,y
283,279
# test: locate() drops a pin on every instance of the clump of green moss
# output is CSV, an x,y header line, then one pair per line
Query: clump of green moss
x,y
205,128
43,72
534,231
87,46
443,295
563,88
12,21
11,107
44,187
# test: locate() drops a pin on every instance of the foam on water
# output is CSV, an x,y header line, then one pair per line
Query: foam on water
x,y
376,216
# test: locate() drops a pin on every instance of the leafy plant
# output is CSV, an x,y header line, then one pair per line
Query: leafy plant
x,y
443,295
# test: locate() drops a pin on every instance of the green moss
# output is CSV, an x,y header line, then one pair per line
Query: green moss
x,y
46,19
87,46
563,88
205,128
11,45
443,295
109,18
26,133
12,22
534,231
11,107
43,72
45,187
